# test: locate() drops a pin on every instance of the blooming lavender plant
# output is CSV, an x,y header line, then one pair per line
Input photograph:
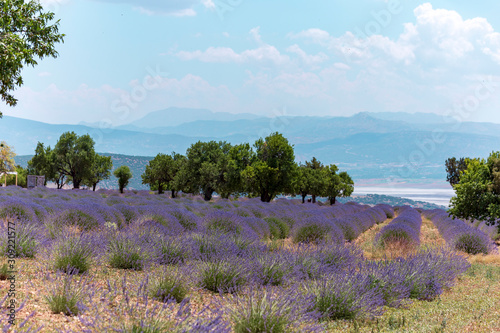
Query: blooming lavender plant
x,y
277,312
404,229
127,250
72,254
26,239
222,276
460,235
169,286
345,295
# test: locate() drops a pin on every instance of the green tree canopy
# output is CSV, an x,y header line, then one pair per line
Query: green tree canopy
x,y
240,156
123,174
337,184
43,163
477,194
310,179
100,170
75,156
273,168
206,167
161,172
454,168
26,33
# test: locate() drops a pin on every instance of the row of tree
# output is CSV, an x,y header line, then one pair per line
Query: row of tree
x,y
265,170
477,187
72,160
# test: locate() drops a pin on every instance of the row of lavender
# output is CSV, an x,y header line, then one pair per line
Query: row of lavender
x,y
337,283
404,229
282,219
461,235
217,247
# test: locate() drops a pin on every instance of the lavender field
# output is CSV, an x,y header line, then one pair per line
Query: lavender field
x,y
139,262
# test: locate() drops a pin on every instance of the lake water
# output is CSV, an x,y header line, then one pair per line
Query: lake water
x,y
439,195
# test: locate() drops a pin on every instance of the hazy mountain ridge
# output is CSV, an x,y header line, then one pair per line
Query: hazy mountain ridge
x,y
364,145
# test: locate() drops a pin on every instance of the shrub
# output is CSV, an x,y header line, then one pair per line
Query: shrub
x,y
221,221
17,209
262,312
348,227
222,276
126,253
170,286
272,269
77,216
171,251
72,255
130,213
4,272
25,242
396,234
277,227
346,295
186,219
311,233
471,243
66,298
460,235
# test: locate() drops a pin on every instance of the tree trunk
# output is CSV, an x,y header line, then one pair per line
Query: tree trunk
x,y
160,188
207,195
94,186
332,200
265,197
314,198
173,194
304,198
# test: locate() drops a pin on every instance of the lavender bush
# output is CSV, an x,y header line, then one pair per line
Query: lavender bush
x,y
404,229
460,235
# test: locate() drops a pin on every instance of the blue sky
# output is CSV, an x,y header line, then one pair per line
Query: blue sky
x,y
125,58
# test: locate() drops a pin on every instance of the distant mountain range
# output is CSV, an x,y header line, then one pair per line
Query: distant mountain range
x,y
368,145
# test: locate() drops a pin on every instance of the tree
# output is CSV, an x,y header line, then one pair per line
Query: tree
x,y
123,174
310,179
6,158
240,156
477,194
316,183
161,172
26,32
454,168
43,164
337,185
206,167
100,170
74,157
273,168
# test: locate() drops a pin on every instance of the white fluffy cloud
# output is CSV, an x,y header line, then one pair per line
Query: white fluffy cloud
x,y
263,53
437,37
